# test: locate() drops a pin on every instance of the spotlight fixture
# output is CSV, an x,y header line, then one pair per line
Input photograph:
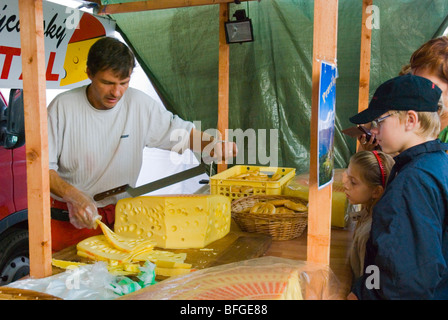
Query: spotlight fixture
x,y
239,30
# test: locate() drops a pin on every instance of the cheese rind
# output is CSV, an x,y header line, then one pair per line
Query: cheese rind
x,y
174,222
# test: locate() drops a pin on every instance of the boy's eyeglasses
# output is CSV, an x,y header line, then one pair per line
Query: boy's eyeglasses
x,y
376,123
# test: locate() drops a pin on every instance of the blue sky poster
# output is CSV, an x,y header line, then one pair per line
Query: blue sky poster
x,y
326,123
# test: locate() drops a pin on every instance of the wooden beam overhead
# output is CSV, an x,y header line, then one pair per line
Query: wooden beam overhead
x,y
155,5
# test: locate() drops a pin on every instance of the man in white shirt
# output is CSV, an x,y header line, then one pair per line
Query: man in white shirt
x,y
97,134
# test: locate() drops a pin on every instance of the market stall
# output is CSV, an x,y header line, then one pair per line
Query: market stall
x,y
237,245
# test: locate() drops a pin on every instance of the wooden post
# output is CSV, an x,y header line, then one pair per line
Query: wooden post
x,y
36,135
319,213
223,75
364,66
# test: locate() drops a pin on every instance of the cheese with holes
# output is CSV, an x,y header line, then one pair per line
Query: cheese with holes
x,y
175,222
134,246
99,248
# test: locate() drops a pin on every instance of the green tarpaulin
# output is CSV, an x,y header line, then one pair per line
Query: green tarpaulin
x,y
270,78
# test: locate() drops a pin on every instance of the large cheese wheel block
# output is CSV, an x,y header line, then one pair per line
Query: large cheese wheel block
x,y
175,221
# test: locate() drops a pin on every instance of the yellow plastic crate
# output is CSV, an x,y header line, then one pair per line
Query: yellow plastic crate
x,y
225,183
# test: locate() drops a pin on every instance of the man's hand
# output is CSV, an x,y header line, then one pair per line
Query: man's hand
x,y
212,149
224,150
82,210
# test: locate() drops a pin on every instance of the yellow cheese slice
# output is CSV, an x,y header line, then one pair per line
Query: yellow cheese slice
x,y
98,248
124,269
157,255
63,264
169,272
131,267
124,243
175,221
172,264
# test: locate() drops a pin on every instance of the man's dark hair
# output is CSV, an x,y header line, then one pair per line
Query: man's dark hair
x,y
110,53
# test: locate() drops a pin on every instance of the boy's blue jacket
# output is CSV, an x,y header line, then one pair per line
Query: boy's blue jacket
x,y
409,237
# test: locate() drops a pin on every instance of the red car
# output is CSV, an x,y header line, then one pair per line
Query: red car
x,y
14,262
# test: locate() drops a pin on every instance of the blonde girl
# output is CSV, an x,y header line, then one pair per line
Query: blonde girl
x,y
364,183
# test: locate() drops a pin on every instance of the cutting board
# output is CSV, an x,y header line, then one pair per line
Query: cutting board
x,y
7,293
235,246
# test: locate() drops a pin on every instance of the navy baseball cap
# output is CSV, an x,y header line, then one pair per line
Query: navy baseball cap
x,y
407,92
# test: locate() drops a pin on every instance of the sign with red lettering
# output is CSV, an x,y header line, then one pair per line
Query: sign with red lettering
x,y
68,32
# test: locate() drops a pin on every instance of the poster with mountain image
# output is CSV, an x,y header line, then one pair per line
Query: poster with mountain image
x,y
326,123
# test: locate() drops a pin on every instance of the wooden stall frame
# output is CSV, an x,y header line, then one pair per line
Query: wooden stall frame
x,y
36,135
319,211
324,47
364,66
224,50
135,6
223,78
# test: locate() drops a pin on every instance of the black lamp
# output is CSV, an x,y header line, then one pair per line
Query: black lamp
x,y
239,31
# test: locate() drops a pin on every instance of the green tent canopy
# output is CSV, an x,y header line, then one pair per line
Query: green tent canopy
x,y
270,78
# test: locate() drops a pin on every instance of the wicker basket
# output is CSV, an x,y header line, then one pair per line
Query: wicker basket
x,y
281,226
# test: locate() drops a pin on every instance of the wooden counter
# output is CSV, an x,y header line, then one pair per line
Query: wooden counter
x,y
341,240
239,246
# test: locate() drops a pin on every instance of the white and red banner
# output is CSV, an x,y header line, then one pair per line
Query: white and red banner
x,y
68,32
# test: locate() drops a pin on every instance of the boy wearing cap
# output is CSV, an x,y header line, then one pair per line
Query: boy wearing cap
x,y
408,245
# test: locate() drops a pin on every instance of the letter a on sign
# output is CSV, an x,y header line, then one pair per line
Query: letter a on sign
x,y
373,281
373,21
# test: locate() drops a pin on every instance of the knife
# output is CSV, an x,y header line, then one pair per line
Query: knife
x,y
155,185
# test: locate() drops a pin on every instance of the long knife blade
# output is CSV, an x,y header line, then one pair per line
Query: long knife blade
x,y
152,186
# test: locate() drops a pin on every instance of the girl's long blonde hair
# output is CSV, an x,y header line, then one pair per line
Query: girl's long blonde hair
x,y
370,169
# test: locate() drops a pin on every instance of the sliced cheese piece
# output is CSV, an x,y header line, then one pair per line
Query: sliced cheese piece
x,y
124,269
98,248
63,264
126,244
175,221
131,267
120,272
157,255
172,264
169,272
